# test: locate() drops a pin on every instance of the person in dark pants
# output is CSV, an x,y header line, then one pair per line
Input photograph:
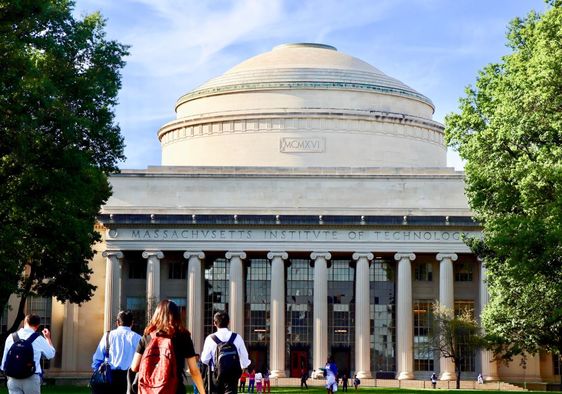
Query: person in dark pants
x,y
221,321
344,381
122,345
304,378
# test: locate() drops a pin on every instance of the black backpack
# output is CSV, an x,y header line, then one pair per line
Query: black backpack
x,y
19,360
226,362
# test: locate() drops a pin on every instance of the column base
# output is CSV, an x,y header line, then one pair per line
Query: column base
x,y
364,374
491,378
405,375
317,374
448,376
277,373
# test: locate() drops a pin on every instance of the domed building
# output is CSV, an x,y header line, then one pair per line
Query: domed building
x,y
305,192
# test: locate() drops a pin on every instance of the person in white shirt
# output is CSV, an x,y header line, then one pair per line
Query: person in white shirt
x,y
42,346
123,343
259,382
221,320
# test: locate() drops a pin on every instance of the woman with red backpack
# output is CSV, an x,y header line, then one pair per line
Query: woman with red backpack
x,y
162,353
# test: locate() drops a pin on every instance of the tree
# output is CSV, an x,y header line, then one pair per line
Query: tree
x,y
454,336
58,143
509,131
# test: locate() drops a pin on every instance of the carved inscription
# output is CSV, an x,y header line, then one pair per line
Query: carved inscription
x,y
301,145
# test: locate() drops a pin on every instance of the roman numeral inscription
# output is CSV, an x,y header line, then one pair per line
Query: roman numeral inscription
x,y
302,145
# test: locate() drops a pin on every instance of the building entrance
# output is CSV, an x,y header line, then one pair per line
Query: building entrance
x,y
258,356
342,358
299,362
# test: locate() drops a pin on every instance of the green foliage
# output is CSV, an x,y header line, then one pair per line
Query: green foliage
x,y
454,336
58,142
509,131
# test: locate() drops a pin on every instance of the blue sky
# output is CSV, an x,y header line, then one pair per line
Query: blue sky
x,y
434,46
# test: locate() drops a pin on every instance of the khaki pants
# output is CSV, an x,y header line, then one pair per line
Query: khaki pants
x,y
31,385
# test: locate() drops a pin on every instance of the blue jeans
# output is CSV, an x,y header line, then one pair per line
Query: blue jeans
x,y
251,386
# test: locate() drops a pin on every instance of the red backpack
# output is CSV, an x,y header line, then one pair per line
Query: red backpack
x,y
158,372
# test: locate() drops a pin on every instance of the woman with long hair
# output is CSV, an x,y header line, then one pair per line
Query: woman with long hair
x,y
166,322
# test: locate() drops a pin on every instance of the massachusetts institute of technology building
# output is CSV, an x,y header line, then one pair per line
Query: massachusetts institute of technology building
x,y
307,193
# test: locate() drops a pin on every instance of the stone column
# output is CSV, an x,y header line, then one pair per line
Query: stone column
x,y
277,314
489,366
320,314
447,300
404,317
236,302
152,279
362,315
195,297
112,287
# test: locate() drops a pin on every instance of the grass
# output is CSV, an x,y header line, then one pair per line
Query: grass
x,y
312,390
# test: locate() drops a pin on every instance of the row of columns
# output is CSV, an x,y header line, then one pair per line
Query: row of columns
x,y
404,305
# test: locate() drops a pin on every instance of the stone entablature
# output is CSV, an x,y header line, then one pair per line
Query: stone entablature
x,y
287,238
373,122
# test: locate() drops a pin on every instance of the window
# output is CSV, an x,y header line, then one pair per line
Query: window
x,y
382,315
468,361
177,270
137,269
300,284
41,306
423,272
217,291
424,357
341,304
181,302
137,305
463,272
258,299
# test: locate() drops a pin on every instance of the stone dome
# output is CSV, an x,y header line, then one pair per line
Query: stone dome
x,y
303,105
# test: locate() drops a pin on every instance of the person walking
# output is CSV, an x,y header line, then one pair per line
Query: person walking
x,y
221,320
304,378
42,346
331,371
123,343
166,322
344,381
356,381
433,380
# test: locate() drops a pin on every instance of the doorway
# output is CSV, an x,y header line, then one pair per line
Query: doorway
x,y
342,358
258,357
299,361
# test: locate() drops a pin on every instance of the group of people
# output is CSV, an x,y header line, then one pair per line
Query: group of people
x,y
127,349
256,380
126,353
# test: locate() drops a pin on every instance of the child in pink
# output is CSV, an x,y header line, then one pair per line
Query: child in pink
x,y
259,382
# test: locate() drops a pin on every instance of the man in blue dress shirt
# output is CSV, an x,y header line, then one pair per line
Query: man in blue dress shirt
x,y
122,345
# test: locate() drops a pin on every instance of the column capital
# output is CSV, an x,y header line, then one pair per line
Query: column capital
x,y
325,255
363,255
446,256
112,253
400,256
283,255
152,253
231,254
193,253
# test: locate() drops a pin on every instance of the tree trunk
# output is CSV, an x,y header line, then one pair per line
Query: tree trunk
x,y
458,371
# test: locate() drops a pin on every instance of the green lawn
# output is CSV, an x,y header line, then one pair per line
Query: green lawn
x,y
315,390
